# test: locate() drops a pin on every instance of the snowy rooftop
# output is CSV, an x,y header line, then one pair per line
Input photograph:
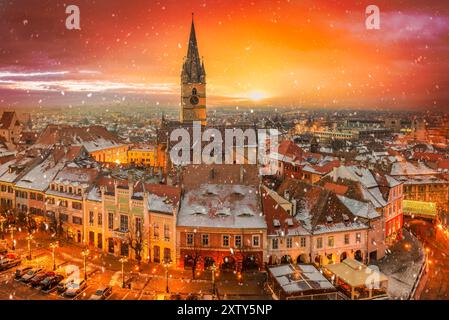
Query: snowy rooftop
x,y
40,177
407,168
359,208
300,278
160,204
221,206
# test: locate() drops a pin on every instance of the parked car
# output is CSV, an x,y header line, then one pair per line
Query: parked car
x,y
74,288
50,283
62,285
38,278
8,263
20,272
101,293
30,274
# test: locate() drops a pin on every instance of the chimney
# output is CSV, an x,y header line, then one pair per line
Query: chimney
x,y
293,207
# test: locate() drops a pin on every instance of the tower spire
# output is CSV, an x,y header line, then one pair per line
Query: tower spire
x,y
192,70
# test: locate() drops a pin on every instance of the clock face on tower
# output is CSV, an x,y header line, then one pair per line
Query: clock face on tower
x,y
194,100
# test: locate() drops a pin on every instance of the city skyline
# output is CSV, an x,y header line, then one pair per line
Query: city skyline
x,y
303,54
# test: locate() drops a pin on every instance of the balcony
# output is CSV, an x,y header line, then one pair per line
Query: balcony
x,y
120,234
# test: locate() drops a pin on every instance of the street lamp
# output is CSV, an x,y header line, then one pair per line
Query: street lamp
x,y
213,278
53,246
85,253
11,229
123,260
167,264
29,238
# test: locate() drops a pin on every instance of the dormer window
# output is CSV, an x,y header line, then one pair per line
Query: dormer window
x,y
194,92
61,189
345,218
329,219
276,223
70,190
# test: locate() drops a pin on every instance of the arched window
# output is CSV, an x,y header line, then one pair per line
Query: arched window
x,y
194,92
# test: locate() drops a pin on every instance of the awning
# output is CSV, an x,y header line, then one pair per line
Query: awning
x,y
420,208
355,273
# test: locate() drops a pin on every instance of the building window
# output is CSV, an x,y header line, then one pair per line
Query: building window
x,y
275,243
138,226
256,241
64,217
225,241
238,241
156,231
358,237
77,220
347,238
319,243
330,241
189,239
91,218
303,242
289,243
205,240
123,223
100,219
77,205
166,232
99,241
167,255
157,254
110,221
124,249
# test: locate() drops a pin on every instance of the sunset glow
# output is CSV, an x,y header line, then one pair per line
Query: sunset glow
x,y
300,53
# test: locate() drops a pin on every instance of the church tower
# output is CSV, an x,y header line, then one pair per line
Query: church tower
x,y
193,84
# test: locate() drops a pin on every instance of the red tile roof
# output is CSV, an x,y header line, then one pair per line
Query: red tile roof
x,y
443,164
290,149
6,120
427,156
273,211
337,188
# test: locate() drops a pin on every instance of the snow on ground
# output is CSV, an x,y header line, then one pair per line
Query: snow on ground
x,y
402,266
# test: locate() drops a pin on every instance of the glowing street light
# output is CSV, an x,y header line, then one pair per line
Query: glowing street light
x,y
11,229
167,264
85,253
53,246
123,260
29,238
213,278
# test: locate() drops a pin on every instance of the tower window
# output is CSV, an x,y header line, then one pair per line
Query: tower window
x,y
194,92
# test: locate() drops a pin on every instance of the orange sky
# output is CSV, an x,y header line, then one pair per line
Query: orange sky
x,y
304,53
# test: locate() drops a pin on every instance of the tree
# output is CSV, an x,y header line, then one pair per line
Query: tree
x,y
194,254
135,241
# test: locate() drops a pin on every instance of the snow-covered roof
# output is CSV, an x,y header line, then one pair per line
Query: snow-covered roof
x,y
407,168
160,204
300,278
221,206
40,177
359,208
